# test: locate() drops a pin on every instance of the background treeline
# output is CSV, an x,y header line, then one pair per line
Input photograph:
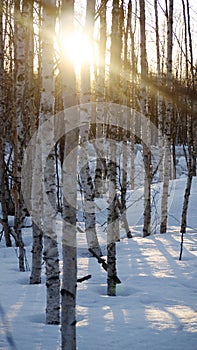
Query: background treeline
x,y
143,59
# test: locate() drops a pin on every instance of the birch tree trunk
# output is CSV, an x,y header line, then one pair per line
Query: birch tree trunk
x,y
48,164
100,97
19,128
167,136
145,128
4,219
187,191
133,98
159,97
34,156
114,84
85,175
190,136
69,175
126,122
192,70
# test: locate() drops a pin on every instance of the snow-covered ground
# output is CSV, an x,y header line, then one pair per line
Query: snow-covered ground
x,y
156,303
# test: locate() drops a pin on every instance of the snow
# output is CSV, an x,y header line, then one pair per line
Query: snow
x,y
156,303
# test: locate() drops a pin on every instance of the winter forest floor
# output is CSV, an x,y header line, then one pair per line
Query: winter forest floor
x,y
156,303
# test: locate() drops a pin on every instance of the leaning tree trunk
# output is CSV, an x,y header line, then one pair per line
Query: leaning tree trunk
x,y
187,193
191,132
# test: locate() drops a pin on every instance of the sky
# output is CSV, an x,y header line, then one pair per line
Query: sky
x,y
178,24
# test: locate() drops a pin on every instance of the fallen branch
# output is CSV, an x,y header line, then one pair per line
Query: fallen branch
x,y
103,264
85,278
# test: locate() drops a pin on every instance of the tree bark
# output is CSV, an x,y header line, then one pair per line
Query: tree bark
x,y
19,128
69,177
86,111
2,138
48,165
167,135
145,128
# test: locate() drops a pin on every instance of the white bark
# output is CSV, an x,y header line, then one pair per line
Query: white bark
x,y
84,169
167,138
69,175
2,140
145,126
159,97
48,165
19,128
114,88
99,179
112,226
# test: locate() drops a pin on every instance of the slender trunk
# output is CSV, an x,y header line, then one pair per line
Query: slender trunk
x,y
114,81
19,128
69,178
112,227
2,139
159,97
99,178
145,128
48,165
36,266
86,110
186,200
133,98
167,136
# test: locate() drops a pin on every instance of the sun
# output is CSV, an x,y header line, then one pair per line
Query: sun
x,y
78,48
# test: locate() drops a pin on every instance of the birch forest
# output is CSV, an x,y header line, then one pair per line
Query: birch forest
x,y
85,86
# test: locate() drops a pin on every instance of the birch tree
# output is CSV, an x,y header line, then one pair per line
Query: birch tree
x,y
112,219
19,128
85,175
191,161
159,97
48,169
4,219
167,129
145,128
100,97
69,175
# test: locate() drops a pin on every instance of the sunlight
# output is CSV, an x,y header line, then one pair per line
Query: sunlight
x,y
159,319
173,317
78,49
186,316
